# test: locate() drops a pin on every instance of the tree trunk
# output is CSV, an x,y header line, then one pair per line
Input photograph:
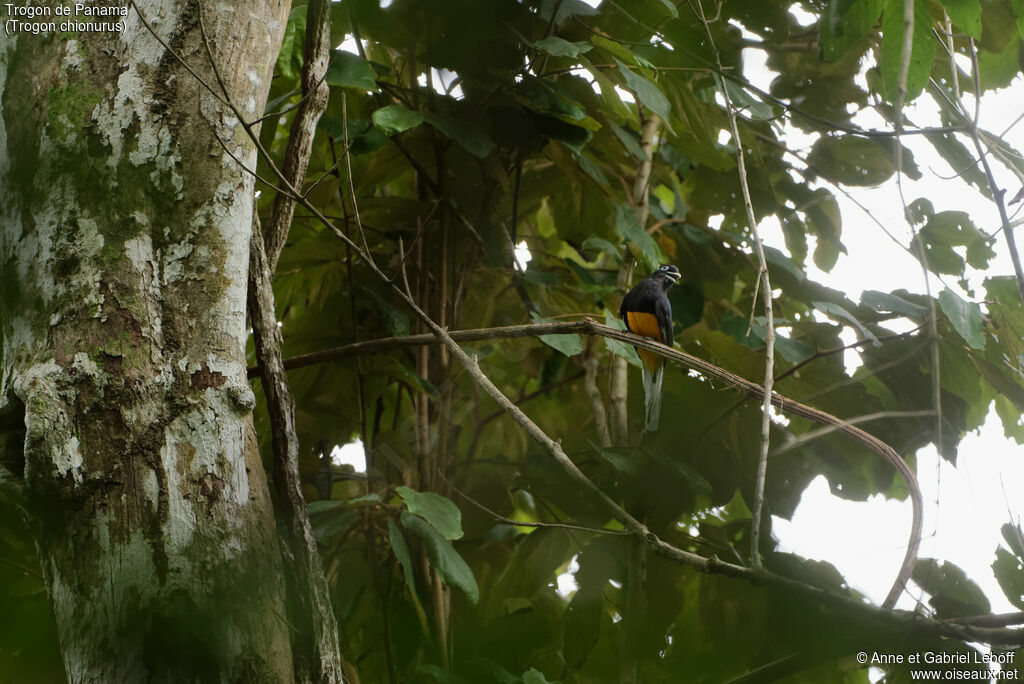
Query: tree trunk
x,y
124,242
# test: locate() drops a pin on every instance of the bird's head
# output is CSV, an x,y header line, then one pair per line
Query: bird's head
x,y
668,275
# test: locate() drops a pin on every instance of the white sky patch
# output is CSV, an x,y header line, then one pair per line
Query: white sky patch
x,y
802,16
352,454
624,94
349,44
567,580
523,255
964,508
443,82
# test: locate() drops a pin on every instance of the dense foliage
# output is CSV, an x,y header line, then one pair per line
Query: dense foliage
x,y
476,125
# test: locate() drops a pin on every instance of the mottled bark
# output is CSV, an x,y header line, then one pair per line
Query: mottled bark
x,y
316,654
124,241
316,54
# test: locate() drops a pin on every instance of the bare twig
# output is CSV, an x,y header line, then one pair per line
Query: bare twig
x,y
316,54
709,370
997,192
766,287
804,439
520,523
901,94
318,657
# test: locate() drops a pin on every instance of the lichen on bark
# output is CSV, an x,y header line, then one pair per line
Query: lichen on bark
x,y
124,235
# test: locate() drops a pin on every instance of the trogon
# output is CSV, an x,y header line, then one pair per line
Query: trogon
x,y
646,311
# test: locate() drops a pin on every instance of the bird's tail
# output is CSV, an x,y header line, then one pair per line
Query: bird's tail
x,y
652,396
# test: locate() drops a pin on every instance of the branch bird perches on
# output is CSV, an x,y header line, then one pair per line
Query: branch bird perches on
x,y
709,370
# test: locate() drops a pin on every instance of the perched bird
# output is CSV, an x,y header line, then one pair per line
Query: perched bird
x,y
646,311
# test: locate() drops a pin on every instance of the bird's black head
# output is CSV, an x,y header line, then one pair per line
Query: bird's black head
x,y
667,275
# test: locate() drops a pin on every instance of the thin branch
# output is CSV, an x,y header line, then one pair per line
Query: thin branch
x,y
901,94
766,287
707,369
316,55
804,439
22,568
997,192
520,523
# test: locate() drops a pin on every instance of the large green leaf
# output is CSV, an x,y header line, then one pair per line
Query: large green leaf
x,y
629,229
443,557
559,47
289,57
646,91
469,135
394,119
570,345
845,22
922,50
350,71
854,160
953,594
440,512
965,15
965,317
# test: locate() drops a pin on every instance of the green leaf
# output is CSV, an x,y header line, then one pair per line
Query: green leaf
x,y
620,349
582,626
559,47
965,15
646,91
289,58
401,550
534,676
743,101
836,310
563,9
793,351
605,246
397,320
570,345
886,301
441,675
844,23
629,140
953,594
826,222
439,511
776,257
853,160
965,317
467,134
617,50
323,506
351,71
922,50
396,119
960,159
329,524
1009,572
670,8
443,557
590,168
1018,12
1012,535
629,229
